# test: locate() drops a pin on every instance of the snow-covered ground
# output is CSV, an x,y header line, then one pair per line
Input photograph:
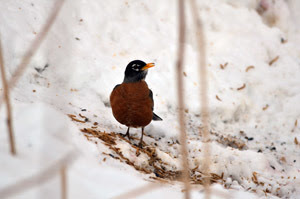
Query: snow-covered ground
x,y
253,56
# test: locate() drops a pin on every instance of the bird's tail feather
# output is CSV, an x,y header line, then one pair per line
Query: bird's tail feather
x,y
156,117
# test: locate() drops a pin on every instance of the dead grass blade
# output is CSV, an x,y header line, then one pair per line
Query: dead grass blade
x,y
203,92
273,60
39,178
63,180
8,105
35,46
180,96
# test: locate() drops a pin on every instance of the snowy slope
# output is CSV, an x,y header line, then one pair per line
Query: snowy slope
x,y
254,76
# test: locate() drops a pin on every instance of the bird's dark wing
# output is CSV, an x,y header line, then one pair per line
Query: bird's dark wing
x,y
155,117
116,86
151,97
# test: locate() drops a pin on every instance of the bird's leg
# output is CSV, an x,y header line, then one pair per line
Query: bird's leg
x,y
141,141
127,134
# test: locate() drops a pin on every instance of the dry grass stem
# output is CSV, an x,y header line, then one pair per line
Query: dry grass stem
x,y
43,176
242,87
273,60
203,93
249,67
63,179
8,105
34,46
139,191
180,96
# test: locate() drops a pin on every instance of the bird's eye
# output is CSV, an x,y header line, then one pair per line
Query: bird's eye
x,y
135,67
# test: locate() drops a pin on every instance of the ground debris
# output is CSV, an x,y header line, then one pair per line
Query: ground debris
x,y
223,66
249,67
254,178
217,97
242,87
265,107
295,125
41,70
108,139
231,141
273,60
160,168
73,117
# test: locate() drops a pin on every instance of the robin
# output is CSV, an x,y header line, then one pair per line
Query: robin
x,y
132,101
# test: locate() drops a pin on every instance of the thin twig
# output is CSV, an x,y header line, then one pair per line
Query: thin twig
x,y
180,95
34,47
203,93
8,105
63,179
39,178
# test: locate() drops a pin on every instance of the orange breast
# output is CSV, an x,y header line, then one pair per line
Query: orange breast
x,y
131,104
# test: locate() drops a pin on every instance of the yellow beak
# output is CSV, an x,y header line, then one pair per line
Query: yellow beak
x,y
149,65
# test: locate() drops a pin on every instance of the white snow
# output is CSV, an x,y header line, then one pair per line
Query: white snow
x,y
253,128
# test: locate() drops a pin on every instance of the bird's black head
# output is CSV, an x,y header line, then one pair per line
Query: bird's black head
x,y
136,71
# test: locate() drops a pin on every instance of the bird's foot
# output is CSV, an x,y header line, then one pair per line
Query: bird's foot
x,y
126,135
140,145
